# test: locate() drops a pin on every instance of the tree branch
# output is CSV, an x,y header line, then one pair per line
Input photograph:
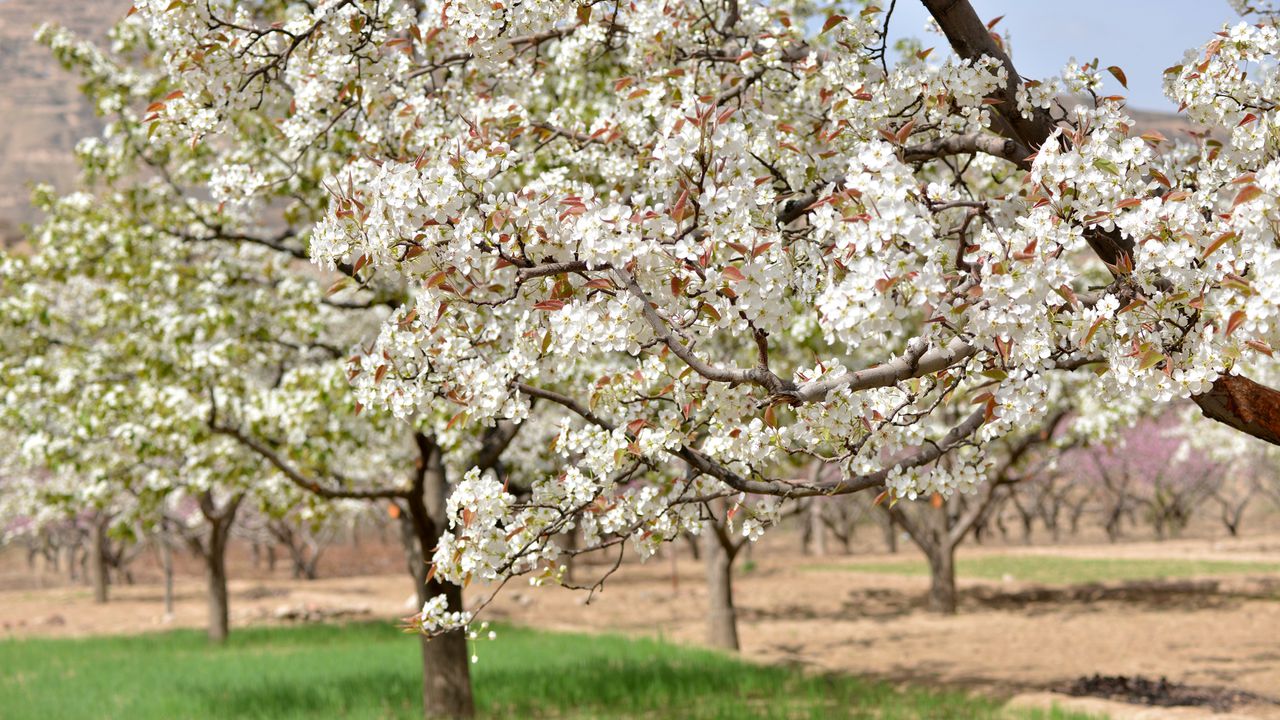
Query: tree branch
x,y
295,476
915,362
1006,148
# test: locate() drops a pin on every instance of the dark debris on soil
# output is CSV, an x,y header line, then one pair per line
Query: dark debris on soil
x,y
1160,693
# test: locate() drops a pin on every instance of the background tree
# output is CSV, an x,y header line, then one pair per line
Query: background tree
x,y
939,525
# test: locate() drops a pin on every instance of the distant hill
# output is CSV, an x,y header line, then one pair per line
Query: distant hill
x,y
42,115
41,112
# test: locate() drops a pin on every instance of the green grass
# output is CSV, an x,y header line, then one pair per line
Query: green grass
x,y
372,671
1050,569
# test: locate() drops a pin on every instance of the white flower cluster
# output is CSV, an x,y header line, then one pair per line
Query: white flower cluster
x,y
436,617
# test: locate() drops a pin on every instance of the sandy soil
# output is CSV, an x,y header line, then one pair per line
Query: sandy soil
x,y
1010,638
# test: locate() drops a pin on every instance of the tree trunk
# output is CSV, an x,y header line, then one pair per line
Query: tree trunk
x,y
891,534
1077,512
215,559
166,564
570,545
722,617
942,578
415,563
73,561
1232,515
695,545
446,664
817,528
214,551
98,559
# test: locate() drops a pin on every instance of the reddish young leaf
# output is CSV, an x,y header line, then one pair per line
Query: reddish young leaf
x,y
1119,75
1260,346
1247,193
1237,317
1217,243
1092,330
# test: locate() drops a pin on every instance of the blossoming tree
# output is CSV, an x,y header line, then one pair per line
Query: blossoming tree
x,y
721,240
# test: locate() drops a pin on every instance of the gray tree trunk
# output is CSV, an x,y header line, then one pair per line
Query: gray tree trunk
x,y
98,559
942,578
166,564
817,528
73,561
722,617
890,534
214,552
446,667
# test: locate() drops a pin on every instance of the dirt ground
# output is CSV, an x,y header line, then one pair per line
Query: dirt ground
x,y
1010,638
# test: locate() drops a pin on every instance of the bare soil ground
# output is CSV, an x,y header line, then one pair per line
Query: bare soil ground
x,y
1010,638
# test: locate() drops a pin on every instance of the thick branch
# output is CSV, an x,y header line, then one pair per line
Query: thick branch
x,y
913,363
1006,148
971,40
1245,405
495,442
296,477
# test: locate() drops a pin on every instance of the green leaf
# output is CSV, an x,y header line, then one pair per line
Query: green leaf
x,y
1106,166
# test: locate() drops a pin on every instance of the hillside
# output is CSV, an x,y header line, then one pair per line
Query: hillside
x,y
41,113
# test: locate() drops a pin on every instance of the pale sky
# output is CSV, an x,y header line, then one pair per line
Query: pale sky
x,y
1141,36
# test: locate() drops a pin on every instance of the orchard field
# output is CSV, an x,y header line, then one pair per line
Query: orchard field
x,y
1033,620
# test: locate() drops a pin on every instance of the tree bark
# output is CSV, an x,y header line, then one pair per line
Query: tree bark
x,y
98,558
214,551
73,561
570,545
722,617
1233,515
446,667
942,578
166,564
446,663
817,528
415,563
890,534
215,558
